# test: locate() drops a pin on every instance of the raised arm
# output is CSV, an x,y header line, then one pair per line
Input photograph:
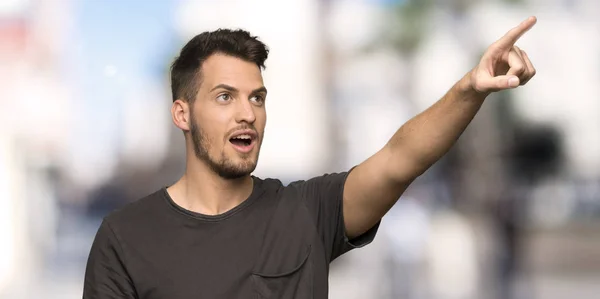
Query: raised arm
x,y
373,187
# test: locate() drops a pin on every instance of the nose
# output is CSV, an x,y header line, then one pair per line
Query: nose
x,y
245,112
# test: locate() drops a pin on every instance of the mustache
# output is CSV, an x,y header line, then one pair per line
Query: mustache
x,y
243,127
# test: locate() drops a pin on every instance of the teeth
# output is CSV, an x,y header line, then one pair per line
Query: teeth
x,y
245,136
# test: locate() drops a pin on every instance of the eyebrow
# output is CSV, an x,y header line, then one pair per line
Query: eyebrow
x,y
233,89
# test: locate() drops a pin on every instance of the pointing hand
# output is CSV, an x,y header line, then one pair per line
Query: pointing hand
x,y
504,65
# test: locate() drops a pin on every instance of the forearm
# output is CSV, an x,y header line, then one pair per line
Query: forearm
x,y
424,139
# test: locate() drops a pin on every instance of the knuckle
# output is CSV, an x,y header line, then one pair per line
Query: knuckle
x,y
519,69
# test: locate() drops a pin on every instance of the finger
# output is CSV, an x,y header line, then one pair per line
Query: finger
x,y
516,64
530,68
519,52
499,83
511,37
526,72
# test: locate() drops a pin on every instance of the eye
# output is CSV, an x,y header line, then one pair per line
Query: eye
x,y
224,97
257,99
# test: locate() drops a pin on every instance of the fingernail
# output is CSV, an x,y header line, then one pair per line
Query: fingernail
x,y
513,82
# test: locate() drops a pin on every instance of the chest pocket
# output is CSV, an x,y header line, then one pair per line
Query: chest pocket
x,y
291,279
284,268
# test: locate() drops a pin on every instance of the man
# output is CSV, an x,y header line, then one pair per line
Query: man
x,y
220,232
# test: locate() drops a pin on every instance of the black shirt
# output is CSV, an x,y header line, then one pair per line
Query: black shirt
x,y
278,243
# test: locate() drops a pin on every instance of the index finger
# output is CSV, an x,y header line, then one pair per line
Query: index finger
x,y
511,37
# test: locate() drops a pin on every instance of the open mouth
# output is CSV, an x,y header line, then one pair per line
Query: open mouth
x,y
243,143
241,140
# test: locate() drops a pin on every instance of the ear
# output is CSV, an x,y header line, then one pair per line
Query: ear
x,y
180,113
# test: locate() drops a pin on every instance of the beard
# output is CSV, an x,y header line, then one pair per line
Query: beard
x,y
224,166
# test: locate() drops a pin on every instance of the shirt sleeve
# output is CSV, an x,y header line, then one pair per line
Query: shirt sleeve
x,y
105,274
323,196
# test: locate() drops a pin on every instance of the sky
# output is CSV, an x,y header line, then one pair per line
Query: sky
x,y
118,48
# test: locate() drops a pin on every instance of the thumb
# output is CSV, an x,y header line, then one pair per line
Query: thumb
x,y
502,82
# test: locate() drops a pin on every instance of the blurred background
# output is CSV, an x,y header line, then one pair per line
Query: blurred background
x,y
513,211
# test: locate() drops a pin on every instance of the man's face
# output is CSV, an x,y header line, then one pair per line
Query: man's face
x,y
228,117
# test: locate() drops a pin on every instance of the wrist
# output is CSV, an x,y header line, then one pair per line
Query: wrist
x,y
465,86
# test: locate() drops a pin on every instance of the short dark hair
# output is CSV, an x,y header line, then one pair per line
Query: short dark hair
x,y
185,70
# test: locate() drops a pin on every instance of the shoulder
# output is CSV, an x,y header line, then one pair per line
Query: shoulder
x,y
325,182
268,183
137,212
321,186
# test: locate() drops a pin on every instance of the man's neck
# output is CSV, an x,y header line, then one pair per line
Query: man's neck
x,y
203,191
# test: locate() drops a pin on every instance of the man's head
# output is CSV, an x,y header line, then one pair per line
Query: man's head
x,y
218,99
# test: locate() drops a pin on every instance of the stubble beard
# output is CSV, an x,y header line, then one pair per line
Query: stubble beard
x,y
224,167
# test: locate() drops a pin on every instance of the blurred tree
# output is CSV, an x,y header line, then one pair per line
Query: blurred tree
x,y
407,25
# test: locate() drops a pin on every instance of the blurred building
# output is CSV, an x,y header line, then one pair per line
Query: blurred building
x,y
34,115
